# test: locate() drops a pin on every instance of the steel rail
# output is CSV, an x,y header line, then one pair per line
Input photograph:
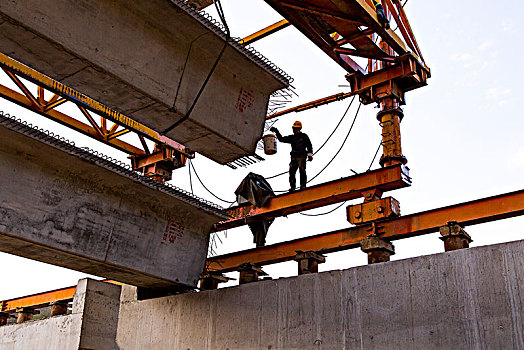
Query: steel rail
x,y
40,300
275,27
469,213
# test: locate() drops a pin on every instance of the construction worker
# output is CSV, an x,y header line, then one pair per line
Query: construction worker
x,y
381,15
301,149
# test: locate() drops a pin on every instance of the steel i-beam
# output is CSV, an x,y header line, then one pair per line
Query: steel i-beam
x,y
469,213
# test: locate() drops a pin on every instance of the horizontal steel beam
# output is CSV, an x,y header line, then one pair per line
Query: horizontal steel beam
x,y
469,213
275,27
43,299
313,104
385,179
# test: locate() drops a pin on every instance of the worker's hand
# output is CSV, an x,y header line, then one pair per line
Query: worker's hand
x,y
310,157
273,129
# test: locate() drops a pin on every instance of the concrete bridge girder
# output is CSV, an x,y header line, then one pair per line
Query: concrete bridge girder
x,y
65,210
148,60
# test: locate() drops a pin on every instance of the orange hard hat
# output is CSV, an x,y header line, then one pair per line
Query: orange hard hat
x,y
297,124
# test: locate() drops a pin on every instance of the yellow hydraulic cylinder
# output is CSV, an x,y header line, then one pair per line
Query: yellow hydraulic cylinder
x,y
389,117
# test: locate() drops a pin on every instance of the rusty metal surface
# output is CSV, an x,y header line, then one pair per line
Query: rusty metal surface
x,y
275,27
469,213
385,179
373,210
318,19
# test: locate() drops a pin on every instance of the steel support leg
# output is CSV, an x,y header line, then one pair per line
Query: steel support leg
x,y
25,314
58,308
250,273
211,281
378,250
3,318
308,262
454,236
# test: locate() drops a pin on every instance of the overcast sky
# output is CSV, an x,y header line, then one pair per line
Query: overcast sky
x,y
462,134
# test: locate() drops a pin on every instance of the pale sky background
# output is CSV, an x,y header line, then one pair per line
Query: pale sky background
x,y
462,134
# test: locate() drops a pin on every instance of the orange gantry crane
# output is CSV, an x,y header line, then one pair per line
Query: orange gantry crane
x,y
347,31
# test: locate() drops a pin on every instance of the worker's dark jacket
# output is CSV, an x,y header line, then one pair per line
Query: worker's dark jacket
x,y
300,144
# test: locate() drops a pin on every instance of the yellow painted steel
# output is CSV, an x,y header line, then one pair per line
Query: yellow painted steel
x,y
72,123
265,32
13,66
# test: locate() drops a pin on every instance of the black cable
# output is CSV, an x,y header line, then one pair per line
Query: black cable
x,y
340,149
198,177
190,110
325,142
190,180
374,157
328,212
336,154
336,127
277,175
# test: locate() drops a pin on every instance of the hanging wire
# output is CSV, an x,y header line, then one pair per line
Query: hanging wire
x,y
204,84
190,179
207,189
325,142
340,149
336,154
375,156
326,213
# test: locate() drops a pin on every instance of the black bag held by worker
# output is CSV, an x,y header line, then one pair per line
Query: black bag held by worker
x,y
255,190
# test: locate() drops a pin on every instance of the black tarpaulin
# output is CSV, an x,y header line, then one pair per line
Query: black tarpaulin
x,y
257,191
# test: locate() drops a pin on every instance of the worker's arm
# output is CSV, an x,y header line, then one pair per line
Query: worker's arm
x,y
309,148
284,139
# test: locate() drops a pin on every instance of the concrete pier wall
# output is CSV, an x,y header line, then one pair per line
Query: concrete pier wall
x,y
91,325
467,299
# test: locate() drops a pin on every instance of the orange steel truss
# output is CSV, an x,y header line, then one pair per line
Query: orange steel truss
x,y
175,154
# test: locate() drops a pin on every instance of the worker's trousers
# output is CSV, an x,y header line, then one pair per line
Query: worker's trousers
x,y
300,164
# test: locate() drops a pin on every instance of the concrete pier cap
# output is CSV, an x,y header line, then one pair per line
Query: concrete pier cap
x,y
149,60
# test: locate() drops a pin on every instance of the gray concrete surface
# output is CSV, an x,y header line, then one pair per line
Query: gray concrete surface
x,y
91,325
60,208
467,299
148,60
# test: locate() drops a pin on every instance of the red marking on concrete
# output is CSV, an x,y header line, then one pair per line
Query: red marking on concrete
x,y
245,100
172,231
